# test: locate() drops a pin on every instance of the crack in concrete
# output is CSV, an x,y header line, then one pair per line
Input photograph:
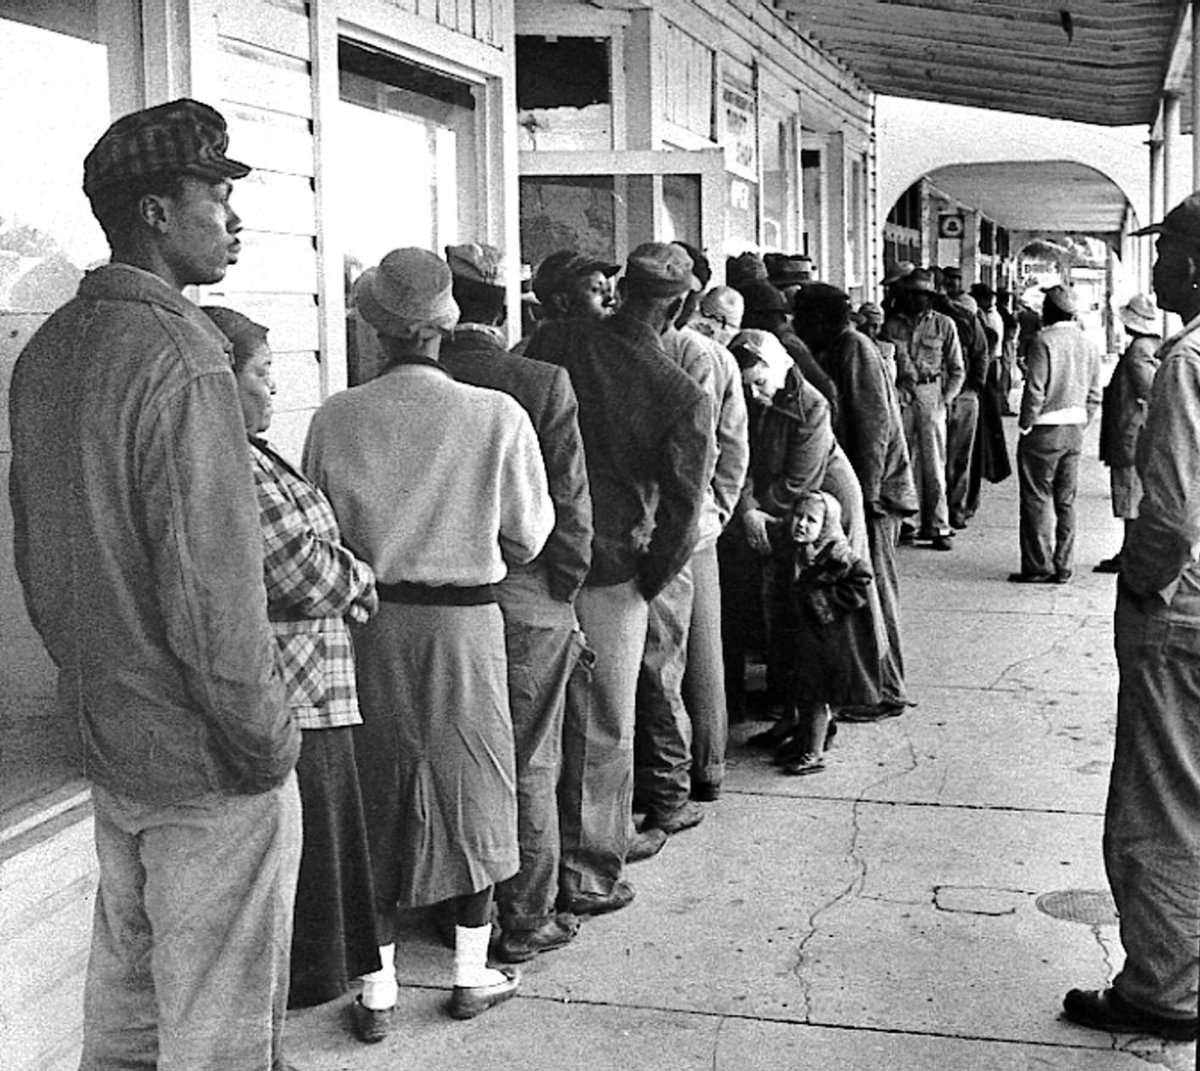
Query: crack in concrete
x,y
856,884
1079,626
716,1052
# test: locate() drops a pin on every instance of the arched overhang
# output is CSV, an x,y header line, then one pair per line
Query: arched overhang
x,y
1034,154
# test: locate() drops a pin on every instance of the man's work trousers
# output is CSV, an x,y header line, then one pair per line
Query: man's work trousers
x,y
192,932
662,748
882,533
595,790
1151,837
960,448
925,428
703,678
1048,472
542,641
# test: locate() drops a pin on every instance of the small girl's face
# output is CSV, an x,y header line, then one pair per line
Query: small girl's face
x,y
807,522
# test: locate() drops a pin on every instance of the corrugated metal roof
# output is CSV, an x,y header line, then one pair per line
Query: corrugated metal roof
x,y
1094,61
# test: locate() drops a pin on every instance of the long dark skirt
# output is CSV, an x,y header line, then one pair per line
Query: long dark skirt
x,y
435,752
334,939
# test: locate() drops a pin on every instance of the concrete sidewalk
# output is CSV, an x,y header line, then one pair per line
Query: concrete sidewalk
x,y
924,903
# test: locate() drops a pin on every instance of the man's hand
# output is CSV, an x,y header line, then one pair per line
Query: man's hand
x,y
756,522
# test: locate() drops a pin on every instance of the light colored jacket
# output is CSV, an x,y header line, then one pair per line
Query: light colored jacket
x,y
714,368
1062,377
1160,552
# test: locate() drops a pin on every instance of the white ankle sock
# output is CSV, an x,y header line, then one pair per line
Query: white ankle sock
x,y
379,987
470,957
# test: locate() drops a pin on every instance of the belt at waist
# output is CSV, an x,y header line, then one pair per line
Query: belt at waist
x,y
437,594
931,378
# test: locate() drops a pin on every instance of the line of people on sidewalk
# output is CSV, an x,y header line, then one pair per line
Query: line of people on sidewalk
x,y
464,642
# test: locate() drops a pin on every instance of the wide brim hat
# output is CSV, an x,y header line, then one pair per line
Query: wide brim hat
x,y
411,289
1141,314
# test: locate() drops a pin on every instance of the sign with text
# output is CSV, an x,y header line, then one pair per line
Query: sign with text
x,y
739,126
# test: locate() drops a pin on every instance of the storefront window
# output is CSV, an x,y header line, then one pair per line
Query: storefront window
x,y
778,179
403,159
576,212
54,104
404,153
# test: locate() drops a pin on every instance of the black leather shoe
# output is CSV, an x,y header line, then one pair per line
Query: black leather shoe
x,y
706,791
466,1002
645,845
370,1025
941,542
1031,578
518,946
689,815
586,903
1108,565
1106,1009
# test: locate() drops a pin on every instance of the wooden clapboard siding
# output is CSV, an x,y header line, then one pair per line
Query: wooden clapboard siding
x,y
48,878
276,25
291,318
276,263
269,140
281,204
253,75
297,380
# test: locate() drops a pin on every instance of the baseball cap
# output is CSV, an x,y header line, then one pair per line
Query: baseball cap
x,y
180,137
558,269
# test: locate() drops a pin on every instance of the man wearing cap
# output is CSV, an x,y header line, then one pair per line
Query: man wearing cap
x,y
1123,411
541,634
440,487
1062,391
931,374
139,550
681,728
570,284
962,419
647,435
719,314
1151,852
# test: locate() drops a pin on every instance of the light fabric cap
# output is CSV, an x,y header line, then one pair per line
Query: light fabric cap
x,y
724,304
477,263
663,269
1062,298
870,313
410,290
1141,314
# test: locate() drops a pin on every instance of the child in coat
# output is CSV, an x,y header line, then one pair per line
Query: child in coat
x,y
827,623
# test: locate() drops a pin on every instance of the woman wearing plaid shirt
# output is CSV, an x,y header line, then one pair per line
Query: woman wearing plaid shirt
x,y
314,585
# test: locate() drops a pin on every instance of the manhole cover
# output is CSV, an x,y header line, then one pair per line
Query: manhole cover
x,y
1093,907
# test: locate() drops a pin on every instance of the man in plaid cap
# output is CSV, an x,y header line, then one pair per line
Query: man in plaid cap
x,y
647,434
138,547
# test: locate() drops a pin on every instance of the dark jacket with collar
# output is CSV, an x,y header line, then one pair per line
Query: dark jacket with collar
x,y
647,436
473,355
139,547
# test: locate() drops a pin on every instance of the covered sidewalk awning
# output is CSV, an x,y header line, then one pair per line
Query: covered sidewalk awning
x,y
1092,61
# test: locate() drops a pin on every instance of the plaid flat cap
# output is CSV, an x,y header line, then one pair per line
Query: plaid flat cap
x,y
181,137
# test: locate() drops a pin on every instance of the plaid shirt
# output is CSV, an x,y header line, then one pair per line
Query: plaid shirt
x,y
313,583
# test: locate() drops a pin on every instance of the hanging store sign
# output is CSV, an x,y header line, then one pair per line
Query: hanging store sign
x,y
739,126
950,225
